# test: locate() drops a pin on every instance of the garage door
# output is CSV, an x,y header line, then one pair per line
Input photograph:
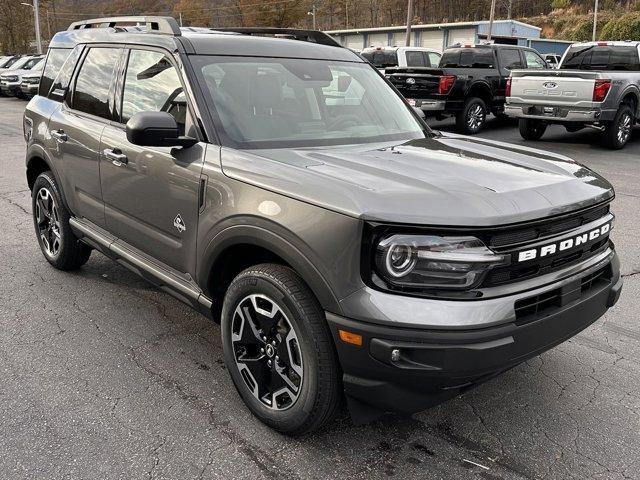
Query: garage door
x,y
399,38
377,40
431,39
462,35
354,41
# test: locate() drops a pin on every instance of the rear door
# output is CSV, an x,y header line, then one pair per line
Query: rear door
x,y
151,193
76,127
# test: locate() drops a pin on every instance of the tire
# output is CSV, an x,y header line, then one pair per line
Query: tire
x,y
473,117
307,357
618,132
58,244
531,129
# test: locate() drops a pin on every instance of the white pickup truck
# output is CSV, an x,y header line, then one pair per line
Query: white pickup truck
x,y
387,57
597,85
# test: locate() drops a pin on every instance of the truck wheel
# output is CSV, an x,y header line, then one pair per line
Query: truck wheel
x,y
473,116
531,129
59,245
279,351
618,132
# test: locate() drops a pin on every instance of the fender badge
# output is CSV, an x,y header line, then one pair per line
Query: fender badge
x,y
179,223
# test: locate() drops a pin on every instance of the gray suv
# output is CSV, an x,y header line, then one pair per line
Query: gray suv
x,y
276,182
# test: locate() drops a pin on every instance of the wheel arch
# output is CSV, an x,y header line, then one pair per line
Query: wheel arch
x,y
482,90
631,96
240,246
37,161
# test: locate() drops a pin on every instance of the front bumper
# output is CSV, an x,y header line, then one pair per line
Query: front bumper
x,y
10,88
558,114
408,369
29,89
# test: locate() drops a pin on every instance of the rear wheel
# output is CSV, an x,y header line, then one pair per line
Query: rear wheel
x,y
473,116
278,350
59,245
531,129
618,132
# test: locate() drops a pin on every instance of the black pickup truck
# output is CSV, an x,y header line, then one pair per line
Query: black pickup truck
x,y
469,83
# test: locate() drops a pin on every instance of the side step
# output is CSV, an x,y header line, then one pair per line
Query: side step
x,y
151,270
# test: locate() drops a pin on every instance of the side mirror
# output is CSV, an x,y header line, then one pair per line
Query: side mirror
x,y
156,129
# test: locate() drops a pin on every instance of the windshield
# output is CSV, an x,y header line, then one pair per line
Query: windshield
x,y
602,58
280,102
381,58
32,63
8,62
20,63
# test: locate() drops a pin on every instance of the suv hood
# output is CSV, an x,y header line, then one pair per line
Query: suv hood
x,y
447,180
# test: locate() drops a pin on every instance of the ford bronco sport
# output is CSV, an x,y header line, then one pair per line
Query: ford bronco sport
x,y
276,182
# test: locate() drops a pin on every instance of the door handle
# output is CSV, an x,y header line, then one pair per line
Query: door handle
x,y
59,135
116,156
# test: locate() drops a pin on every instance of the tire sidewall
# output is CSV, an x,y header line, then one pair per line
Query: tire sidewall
x,y
614,142
471,103
45,180
296,415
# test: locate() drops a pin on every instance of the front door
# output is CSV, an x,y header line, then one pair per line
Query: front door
x,y
151,193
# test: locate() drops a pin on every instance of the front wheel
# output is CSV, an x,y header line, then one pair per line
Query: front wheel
x,y
618,132
278,350
531,129
473,117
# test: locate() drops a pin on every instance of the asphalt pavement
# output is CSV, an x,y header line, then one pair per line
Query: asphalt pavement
x,y
103,376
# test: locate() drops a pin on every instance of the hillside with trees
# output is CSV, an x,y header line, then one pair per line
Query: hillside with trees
x,y
565,19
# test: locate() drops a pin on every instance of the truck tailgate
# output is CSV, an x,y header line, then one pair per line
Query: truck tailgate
x,y
415,82
563,87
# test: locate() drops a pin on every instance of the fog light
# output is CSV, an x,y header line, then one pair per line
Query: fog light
x,y
395,355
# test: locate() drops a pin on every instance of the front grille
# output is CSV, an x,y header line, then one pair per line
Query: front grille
x,y
527,237
544,229
531,308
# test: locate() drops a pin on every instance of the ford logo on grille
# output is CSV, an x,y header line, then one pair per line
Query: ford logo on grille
x,y
550,85
411,81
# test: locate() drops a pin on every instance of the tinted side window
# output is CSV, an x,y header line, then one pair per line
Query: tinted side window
x,y
152,84
510,58
91,91
602,58
55,60
534,60
415,59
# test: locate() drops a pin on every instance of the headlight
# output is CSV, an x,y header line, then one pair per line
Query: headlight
x,y
433,262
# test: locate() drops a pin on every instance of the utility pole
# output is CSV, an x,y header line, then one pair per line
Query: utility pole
x,y
407,40
595,22
36,16
491,17
180,13
313,15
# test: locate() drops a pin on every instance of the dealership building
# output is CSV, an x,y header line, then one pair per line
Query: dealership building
x,y
441,35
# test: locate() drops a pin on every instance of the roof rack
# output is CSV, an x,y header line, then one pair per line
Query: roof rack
x,y
313,36
155,24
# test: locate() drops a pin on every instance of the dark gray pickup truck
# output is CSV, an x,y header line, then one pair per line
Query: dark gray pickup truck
x,y
281,186
597,85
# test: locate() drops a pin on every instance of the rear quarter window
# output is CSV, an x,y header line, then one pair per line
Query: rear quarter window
x,y
55,60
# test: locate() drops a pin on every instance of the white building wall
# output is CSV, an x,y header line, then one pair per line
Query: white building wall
x,y
462,35
432,39
377,40
354,41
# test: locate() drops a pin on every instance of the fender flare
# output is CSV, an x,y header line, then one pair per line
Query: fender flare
x,y
480,84
635,91
291,252
38,151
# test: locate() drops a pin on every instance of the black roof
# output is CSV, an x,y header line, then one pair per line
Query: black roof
x,y
164,32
